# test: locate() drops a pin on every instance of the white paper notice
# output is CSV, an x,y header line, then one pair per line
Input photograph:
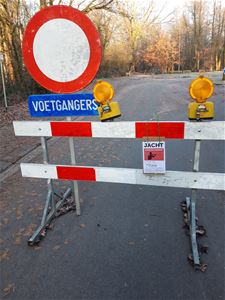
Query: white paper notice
x,y
154,160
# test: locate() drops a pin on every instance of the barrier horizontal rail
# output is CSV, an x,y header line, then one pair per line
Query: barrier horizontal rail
x,y
180,179
170,130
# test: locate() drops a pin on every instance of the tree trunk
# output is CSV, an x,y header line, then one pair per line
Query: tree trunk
x,y
218,62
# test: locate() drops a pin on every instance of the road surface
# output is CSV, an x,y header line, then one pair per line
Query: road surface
x,y
129,242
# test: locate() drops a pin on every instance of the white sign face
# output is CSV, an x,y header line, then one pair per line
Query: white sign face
x,y
154,157
61,50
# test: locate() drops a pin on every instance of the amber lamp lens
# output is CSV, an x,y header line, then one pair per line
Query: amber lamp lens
x,y
201,89
103,92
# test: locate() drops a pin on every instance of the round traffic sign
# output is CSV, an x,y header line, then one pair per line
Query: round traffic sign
x,y
61,49
201,89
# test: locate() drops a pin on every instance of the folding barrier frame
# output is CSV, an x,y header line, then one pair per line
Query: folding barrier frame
x,y
169,130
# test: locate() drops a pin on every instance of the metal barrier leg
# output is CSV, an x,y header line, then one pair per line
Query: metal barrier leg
x,y
74,183
50,181
51,206
47,217
192,226
191,209
46,208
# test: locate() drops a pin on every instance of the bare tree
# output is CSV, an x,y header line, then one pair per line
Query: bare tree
x,y
137,27
14,15
217,32
203,35
105,24
131,35
162,54
85,6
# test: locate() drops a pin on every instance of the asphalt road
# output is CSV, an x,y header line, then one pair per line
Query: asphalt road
x,y
129,242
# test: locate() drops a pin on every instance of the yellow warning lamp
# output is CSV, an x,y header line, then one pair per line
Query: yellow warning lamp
x,y
200,90
103,93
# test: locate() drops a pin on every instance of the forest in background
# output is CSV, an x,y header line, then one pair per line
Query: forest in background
x,y
135,38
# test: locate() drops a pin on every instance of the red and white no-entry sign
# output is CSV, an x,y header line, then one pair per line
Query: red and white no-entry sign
x,y
61,49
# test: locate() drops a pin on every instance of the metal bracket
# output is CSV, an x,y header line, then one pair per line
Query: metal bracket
x,y
191,210
49,213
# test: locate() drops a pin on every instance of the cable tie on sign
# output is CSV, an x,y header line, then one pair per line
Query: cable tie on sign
x,y
158,127
147,130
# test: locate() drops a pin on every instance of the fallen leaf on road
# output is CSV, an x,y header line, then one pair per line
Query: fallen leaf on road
x,y
10,288
5,221
19,214
55,248
17,241
43,233
190,259
82,225
49,226
131,243
203,248
203,267
29,230
200,230
66,242
36,248
34,194
4,255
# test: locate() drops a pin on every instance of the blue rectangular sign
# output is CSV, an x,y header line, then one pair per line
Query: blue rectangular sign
x,y
61,105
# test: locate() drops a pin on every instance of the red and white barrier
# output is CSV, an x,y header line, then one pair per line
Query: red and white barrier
x,y
171,130
194,180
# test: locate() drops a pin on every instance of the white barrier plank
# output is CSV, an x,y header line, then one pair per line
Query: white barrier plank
x,y
39,171
113,130
180,179
214,130
32,128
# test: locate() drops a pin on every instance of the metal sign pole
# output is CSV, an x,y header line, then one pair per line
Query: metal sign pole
x,y
3,81
74,183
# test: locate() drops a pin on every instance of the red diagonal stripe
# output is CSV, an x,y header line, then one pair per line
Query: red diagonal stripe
x,y
76,129
76,173
170,130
